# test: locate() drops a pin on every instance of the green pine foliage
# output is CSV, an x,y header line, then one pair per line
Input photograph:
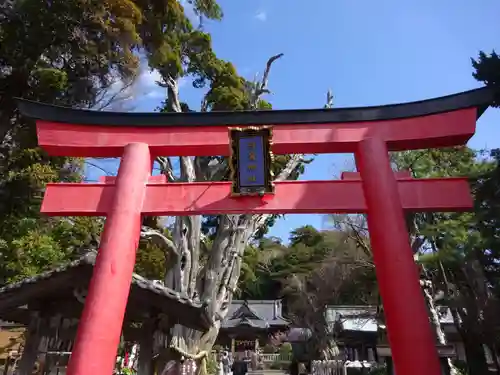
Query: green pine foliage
x,y
89,46
487,70
69,52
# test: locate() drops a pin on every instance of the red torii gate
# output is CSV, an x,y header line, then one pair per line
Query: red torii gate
x,y
370,133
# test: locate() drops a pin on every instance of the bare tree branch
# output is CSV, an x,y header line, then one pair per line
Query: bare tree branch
x,y
166,168
261,88
159,239
120,95
112,93
290,167
204,104
98,167
329,99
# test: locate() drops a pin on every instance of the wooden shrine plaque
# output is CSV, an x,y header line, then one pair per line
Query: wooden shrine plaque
x,y
242,345
250,161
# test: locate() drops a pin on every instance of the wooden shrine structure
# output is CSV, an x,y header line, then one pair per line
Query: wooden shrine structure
x,y
50,305
370,133
249,324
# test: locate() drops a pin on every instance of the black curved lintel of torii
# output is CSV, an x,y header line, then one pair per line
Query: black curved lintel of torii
x,y
480,98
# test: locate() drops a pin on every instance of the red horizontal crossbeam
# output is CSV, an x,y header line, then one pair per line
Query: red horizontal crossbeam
x,y
355,176
156,179
438,130
211,198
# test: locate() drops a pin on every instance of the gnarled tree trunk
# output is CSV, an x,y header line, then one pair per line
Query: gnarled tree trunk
x,y
427,288
212,279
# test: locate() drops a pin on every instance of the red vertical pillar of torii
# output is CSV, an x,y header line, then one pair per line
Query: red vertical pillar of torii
x,y
397,275
98,334
369,133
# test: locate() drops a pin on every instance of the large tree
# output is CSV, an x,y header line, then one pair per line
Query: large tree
x,y
425,228
487,70
316,269
66,52
271,270
206,252
337,272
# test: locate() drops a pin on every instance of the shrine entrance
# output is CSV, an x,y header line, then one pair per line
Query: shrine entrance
x,y
249,325
370,133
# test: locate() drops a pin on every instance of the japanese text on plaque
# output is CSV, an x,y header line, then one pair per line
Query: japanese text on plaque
x,y
251,160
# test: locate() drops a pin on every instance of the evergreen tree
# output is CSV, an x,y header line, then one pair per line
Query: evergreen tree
x,y
487,70
453,251
62,52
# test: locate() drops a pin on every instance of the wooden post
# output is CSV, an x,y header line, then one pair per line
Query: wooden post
x,y
146,341
43,346
371,356
7,365
30,351
48,333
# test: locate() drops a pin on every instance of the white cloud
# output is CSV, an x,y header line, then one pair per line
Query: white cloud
x,y
157,93
261,16
124,99
149,77
147,84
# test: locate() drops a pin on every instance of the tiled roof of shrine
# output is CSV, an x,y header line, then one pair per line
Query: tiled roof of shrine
x,y
261,314
354,319
18,294
89,259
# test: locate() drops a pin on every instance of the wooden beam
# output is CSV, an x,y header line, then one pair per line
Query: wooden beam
x,y
210,198
436,130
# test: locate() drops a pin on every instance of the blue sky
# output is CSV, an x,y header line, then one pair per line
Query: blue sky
x,y
366,52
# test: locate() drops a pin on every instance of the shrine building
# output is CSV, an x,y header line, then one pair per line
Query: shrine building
x,y
361,338
49,307
249,324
